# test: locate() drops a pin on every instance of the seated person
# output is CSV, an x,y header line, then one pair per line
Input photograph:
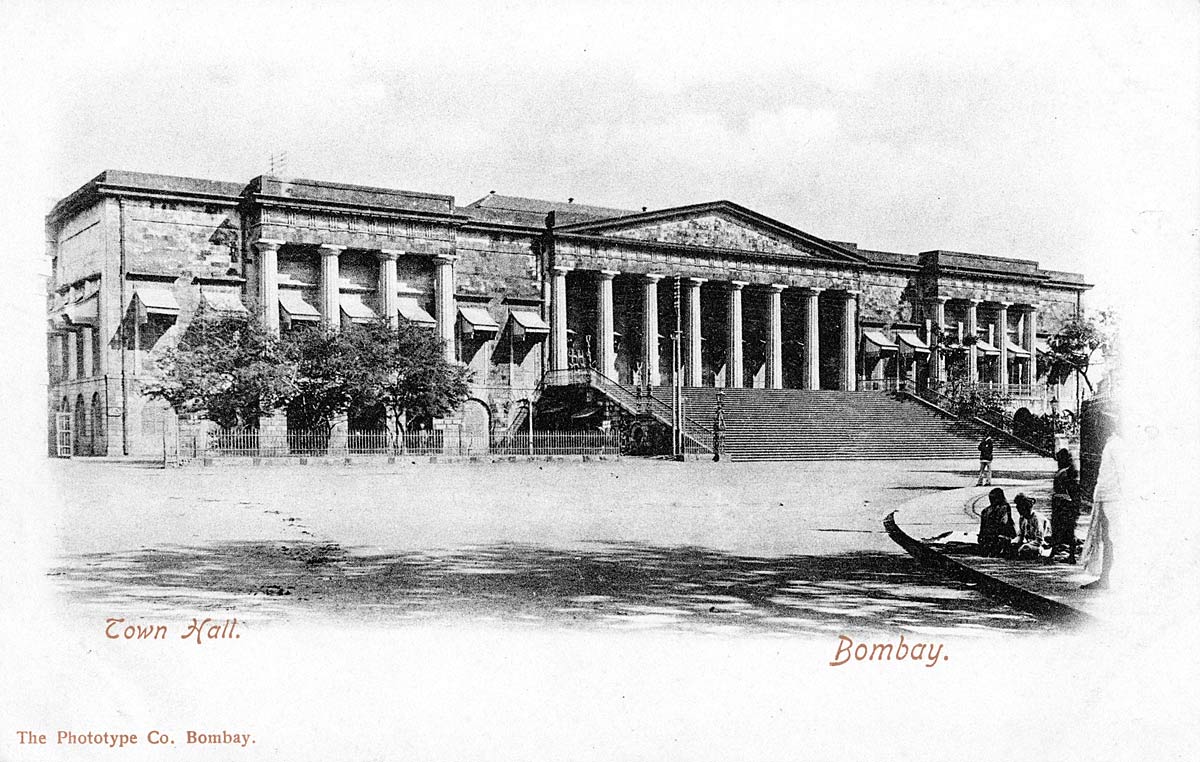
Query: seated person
x,y
996,530
1030,535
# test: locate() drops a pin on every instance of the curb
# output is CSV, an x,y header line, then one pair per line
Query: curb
x,y
1017,597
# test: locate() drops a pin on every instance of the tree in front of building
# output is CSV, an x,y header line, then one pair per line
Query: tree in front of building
x,y
401,370
1072,351
225,366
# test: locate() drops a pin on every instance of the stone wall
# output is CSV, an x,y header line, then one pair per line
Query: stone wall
x,y
181,238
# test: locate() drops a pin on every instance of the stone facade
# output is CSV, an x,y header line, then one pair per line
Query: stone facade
x,y
517,288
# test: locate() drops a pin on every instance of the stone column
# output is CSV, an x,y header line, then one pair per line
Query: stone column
x,y
972,330
606,350
558,317
72,366
331,307
1030,339
850,342
692,348
1002,340
88,335
650,329
272,428
775,336
389,287
937,306
268,283
812,339
734,372
443,287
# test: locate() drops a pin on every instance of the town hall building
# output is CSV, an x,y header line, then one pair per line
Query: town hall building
x,y
524,292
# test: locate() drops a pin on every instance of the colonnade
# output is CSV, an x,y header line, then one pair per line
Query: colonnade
x,y
329,288
1027,341
691,330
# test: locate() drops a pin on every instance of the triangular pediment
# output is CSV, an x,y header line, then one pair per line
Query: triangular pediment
x,y
720,225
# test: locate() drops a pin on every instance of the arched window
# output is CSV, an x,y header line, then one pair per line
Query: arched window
x,y
81,425
99,429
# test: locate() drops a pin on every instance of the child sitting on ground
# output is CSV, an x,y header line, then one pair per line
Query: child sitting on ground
x,y
1030,535
996,531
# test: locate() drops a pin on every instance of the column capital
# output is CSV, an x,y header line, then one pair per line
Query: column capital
x,y
330,249
851,292
811,290
972,301
445,259
738,285
561,269
653,277
694,280
1005,305
937,299
385,254
777,287
608,274
269,244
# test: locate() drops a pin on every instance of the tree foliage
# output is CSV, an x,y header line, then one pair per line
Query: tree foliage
x,y
1073,348
232,370
227,366
402,369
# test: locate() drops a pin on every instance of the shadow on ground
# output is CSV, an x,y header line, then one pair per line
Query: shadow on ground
x,y
607,585
1025,476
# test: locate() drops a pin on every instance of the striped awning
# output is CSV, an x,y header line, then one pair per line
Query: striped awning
x,y
986,348
880,342
910,342
155,300
294,306
355,309
525,323
1016,350
223,301
411,310
84,312
477,320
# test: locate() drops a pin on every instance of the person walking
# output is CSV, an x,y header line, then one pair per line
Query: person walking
x,y
1064,504
985,462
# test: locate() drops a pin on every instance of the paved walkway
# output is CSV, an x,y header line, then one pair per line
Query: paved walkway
x,y
949,520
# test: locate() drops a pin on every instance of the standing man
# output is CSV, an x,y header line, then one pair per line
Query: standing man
x,y
719,428
985,462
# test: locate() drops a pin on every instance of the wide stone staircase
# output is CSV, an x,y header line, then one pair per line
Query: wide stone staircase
x,y
791,424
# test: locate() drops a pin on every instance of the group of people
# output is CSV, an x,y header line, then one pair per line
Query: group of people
x,y
1000,537
1028,538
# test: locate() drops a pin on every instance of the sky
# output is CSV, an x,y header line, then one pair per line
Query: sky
x,y
1042,131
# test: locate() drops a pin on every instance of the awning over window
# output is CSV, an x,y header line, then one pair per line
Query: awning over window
x,y
881,343
411,311
223,301
910,342
355,309
1017,351
83,312
293,305
156,300
477,320
986,349
527,324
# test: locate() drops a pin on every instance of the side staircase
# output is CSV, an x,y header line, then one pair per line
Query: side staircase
x,y
792,424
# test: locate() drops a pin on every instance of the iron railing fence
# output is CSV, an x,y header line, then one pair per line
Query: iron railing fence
x,y
883,384
557,443
335,442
